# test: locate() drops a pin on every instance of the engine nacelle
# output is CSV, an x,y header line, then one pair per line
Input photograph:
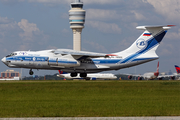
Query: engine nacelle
x,y
130,77
172,77
140,78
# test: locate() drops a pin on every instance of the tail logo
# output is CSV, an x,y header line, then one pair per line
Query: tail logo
x,y
141,43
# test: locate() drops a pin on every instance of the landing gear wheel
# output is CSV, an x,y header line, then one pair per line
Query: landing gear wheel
x,y
73,74
31,72
83,75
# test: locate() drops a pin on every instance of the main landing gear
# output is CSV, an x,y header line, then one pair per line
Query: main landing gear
x,y
73,74
83,75
31,72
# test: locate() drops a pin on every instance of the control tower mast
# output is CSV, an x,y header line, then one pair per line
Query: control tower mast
x,y
77,20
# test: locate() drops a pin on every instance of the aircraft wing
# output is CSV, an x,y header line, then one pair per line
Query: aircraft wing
x,y
79,54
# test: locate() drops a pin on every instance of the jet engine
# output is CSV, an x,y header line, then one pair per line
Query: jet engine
x,y
140,78
130,77
160,78
172,77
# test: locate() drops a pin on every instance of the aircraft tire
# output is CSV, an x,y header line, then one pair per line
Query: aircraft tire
x,y
31,72
83,75
73,74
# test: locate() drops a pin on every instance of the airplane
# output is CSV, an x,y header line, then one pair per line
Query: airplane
x,y
176,75
107,76
141,51
148,75
173,76
154,75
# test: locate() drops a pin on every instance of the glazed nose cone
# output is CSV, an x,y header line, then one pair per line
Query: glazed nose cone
x,y
3,60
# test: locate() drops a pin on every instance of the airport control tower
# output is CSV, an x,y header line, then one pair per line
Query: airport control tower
x,y
77,20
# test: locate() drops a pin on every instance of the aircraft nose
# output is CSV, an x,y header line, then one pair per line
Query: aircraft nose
x,y
3,60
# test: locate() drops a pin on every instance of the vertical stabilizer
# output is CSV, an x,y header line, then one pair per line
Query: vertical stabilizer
x,y
61,72
145,46
157,71
177,69
157,67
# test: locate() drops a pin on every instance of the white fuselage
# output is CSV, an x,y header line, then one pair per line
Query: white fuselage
x,y
150,76
90,76
48,60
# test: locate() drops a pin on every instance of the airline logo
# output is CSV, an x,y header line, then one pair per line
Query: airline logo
x,y
147,34
141,43
23,53
34,59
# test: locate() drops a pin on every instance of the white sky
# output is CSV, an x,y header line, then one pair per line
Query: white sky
x,y
110,27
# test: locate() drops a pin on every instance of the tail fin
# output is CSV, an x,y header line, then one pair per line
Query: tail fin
x,y
145,46
177,69
61,72
157,67
157,71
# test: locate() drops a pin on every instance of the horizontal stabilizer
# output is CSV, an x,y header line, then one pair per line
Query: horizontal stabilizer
x,y
167,27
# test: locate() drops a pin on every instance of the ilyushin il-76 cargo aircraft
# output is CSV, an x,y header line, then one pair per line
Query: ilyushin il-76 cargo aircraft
x,y
141,51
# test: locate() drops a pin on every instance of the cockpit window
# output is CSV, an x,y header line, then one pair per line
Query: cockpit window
x,y
12,54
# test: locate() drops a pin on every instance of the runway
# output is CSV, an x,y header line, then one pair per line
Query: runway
x,y
98,118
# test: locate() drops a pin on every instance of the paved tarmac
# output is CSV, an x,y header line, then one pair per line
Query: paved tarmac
x,y
98,118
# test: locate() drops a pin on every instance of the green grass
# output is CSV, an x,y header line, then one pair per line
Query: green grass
x,y
89,98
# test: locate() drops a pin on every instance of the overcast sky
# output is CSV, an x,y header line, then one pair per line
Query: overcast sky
x,y
110,27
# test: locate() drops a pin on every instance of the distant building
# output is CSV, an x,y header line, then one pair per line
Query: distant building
x,y
10,75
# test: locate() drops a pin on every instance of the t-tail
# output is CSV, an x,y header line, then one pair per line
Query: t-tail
x,y
144,48
177,69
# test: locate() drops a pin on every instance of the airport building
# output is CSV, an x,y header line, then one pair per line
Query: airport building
x,y
10,75
77,20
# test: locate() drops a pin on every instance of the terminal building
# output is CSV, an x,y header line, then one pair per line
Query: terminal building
x,y
10,75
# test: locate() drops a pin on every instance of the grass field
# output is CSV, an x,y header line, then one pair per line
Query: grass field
x,y
89,98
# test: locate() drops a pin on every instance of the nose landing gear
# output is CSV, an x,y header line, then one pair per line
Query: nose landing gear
x,y
31,72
